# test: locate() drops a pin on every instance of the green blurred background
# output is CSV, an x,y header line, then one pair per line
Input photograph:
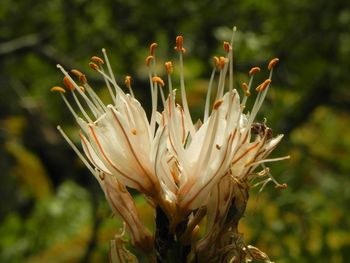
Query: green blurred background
x,y
51,207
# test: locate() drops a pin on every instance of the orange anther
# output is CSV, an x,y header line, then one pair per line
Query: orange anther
x,y
222,62
158,80
81,76
272,63
168,67
94,66
216,61
245,89
282,186
148,60
179,44
82,88
68,83
59,89
152,48
244,86
227,46
254,70
133,131
217,104
263,85
128,82
97,59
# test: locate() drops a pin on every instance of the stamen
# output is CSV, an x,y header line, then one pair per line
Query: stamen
x,y
264,183
158,80
93,66
81,107
179,48
216,62
80,155
268,160
97,60
168,67
221,85
230,56
152,48
254,70
111,74
207,100
179,44
128,85
59,89
222,62
272,63
62,91
148,60
70,81
227,47
169,70
95,98
263,85
245,89
82,78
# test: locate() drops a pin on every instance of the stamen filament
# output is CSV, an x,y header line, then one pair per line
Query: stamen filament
x,y
92,107
114,82
81,107
183,96
207,100
76,150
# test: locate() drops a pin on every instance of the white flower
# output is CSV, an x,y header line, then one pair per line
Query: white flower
x,y
180,166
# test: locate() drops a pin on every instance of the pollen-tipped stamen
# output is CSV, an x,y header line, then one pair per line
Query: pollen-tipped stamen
x,y
80,155
128,85
91,105
207,99
179,47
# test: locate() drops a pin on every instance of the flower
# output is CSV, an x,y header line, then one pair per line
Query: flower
x,y
187,170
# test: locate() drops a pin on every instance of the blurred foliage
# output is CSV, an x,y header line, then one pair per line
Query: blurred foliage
x,y
52,209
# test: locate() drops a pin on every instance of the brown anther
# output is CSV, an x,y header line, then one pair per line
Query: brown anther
x,y
282,186
68,83
94,66
222,62
218,146
272,63
179,44
254,70
263,85
57,88
158,80
148,60
152,48
244,86
168,67
102,176
227,46
245,89
217,104
97,60
128,82
81,76
133,131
